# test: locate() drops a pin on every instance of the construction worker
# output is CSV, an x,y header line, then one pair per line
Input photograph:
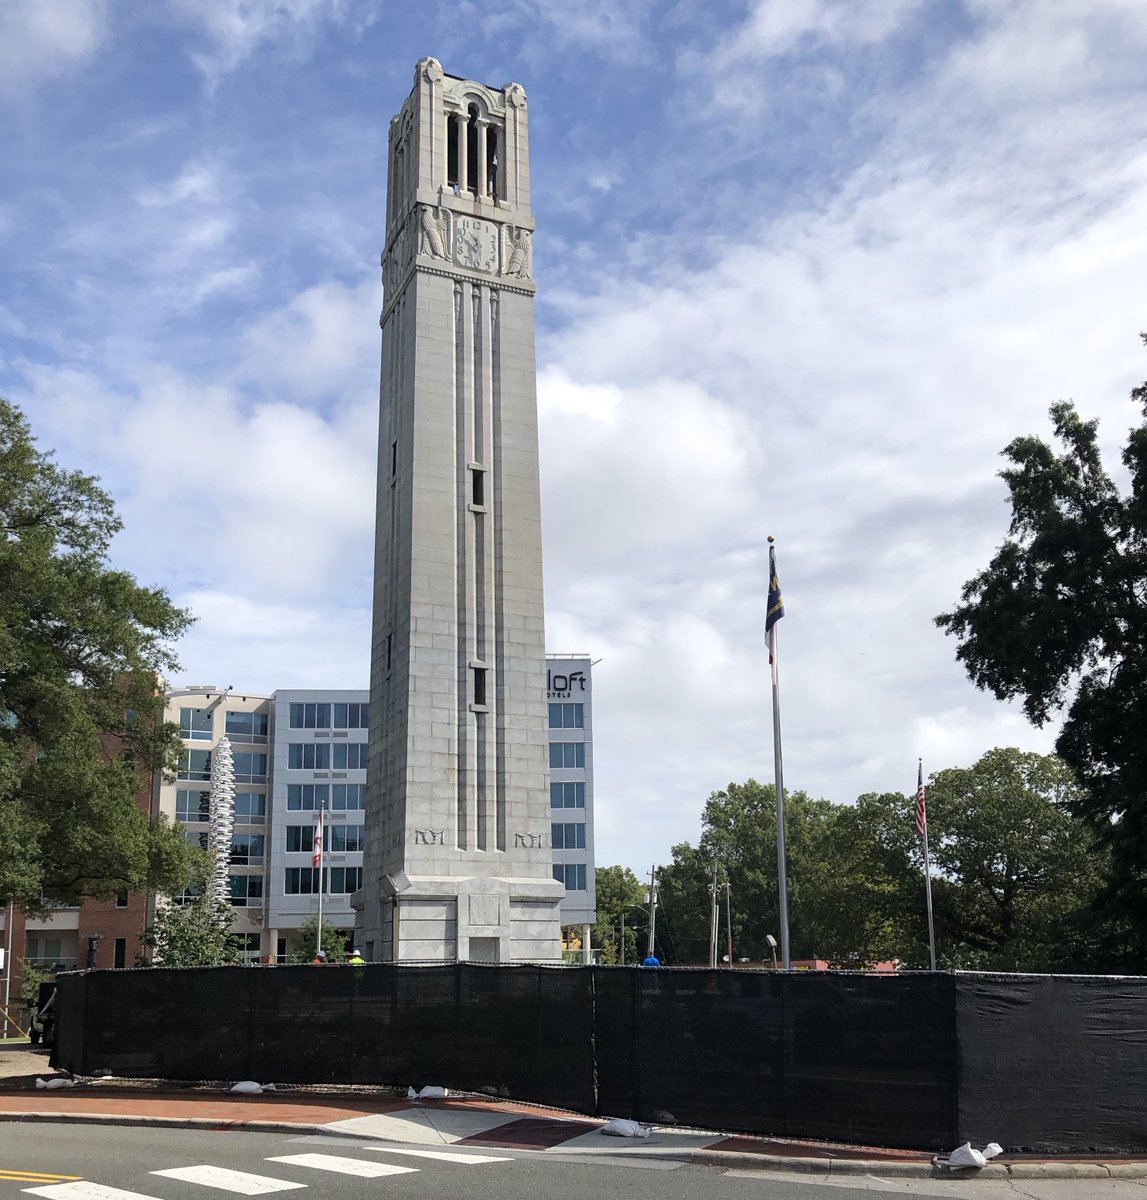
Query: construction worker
x,y
320,959
355,959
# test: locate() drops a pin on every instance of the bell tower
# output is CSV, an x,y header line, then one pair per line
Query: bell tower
x,y
457,859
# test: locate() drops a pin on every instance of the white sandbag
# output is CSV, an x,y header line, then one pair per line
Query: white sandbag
x,y
432,1092
247,1087
621,1127
966,1156
993,1150
57,1081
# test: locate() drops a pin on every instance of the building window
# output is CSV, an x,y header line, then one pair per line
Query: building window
x,y
351,716
194,837
191,892
195,765
310,716
119,954
309,756
121,899
192,805
337,881
247,726
338,839
567,754
480,685
572,875
247,944
347,797
478,487
567,716
246,890
250,768
306,797
568,836
247,849
250,808
350,756
567,795
195,724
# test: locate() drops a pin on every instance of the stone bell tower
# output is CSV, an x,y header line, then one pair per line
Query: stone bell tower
x,y
457,859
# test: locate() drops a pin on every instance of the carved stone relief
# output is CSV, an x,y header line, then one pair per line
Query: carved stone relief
x,y
428,68
515,95
530,841
517,252
435,231
429,837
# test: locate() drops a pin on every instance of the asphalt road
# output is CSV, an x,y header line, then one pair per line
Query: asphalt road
x,y
104,1162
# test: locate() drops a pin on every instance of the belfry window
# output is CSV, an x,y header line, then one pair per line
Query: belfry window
x,y
452,176
493,159
472,149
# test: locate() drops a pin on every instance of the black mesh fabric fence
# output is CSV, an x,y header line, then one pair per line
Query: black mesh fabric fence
x,y
1053,1063
913,1060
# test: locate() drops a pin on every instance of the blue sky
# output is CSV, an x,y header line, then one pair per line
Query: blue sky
x,y
804,268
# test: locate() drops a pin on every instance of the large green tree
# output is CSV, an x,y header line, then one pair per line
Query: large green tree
x,y
81,645
1058,619
195,934
620,896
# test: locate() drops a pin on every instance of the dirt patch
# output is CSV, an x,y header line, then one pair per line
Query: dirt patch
x,y
19,1058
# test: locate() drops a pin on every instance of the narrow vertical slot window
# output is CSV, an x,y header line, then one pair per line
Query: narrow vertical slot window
x,y
393,458
480,685
492,160
452,152
472,150
478,487
389,649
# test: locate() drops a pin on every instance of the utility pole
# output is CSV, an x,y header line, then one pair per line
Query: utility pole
x,y
714,910
652,910
729,921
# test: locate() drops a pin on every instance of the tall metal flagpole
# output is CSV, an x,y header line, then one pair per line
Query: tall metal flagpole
x,y
922,829
776,610
317,861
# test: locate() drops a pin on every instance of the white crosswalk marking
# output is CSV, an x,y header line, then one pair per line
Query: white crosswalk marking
x,y
84,1189
454,1156
344,1166
227,1180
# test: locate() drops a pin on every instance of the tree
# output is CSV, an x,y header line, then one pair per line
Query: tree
x,y
1059,619
619,894
195,934
81,646
334,941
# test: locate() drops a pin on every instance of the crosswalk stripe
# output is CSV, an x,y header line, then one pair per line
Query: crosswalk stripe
x,y
227,1180
84,1189
455,1156
344,1166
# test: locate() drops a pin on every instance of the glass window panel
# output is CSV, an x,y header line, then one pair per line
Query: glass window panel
x,y
195,724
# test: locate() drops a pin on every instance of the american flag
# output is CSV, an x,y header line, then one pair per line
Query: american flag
x,y
921,810
317,857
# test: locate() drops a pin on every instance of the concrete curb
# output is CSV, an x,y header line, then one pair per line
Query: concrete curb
x,y
740,1159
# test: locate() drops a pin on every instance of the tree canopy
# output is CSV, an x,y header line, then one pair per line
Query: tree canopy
x,y
620,894
81,730
195,934
1015,875
1058,619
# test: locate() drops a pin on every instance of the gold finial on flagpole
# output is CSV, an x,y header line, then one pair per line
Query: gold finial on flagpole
x,y
771,538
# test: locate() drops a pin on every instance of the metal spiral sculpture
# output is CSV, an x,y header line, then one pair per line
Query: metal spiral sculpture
x,y
222,819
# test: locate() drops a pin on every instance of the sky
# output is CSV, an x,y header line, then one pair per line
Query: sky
x,y
804,268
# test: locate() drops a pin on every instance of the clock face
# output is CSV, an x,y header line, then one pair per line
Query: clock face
x,y
475,244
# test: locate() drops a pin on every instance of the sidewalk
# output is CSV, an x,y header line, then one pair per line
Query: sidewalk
x,y
468,1121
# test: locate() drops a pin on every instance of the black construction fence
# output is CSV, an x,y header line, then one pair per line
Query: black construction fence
x,y
927,1061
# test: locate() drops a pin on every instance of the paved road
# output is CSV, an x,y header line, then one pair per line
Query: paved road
x,y
91,1162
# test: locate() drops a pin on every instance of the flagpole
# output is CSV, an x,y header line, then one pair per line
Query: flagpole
x,y
318,857
776,610
922,826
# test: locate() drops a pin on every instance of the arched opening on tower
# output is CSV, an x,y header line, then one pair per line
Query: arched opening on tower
x,y
493,159
472,158
453,179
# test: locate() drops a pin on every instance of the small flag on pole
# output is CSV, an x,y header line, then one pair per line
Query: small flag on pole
x,y
317,857
776,608
921,810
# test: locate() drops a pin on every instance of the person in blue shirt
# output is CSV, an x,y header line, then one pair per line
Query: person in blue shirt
x,y
651,960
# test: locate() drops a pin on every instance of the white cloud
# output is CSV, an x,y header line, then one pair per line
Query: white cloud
x,y
237,29
40,39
